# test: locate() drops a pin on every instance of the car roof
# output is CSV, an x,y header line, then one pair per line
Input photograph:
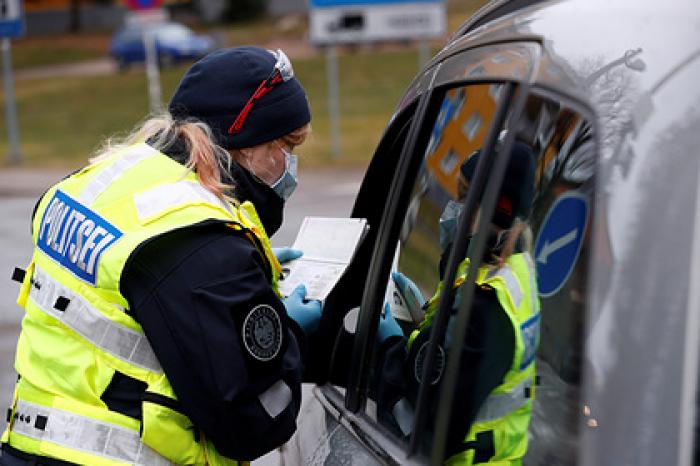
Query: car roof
x,y
638,36
602,29
490,11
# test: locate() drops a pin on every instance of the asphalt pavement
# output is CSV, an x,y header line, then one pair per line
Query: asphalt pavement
x,y
321,192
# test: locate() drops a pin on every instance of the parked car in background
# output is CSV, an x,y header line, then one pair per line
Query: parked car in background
x,y
174,43
606,94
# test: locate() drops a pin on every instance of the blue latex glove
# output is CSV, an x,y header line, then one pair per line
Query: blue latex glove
x,y
412,297
306,314
388,327
286,254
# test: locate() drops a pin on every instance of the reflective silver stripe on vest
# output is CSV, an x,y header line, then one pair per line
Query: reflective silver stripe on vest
x,y
111,337
533,283
276,398
511,282
81,433
106,177
152,202
500,405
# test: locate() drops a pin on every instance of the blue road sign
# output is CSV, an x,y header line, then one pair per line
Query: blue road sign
x,y
559,242
11,19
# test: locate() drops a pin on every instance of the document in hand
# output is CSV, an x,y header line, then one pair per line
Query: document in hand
x,y
328,244
392,295
397,304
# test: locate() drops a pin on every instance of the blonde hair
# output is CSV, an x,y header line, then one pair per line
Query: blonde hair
x,y
209,160
519,230
206,158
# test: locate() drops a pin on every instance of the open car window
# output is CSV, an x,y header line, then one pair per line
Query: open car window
x,y
338,327
457,128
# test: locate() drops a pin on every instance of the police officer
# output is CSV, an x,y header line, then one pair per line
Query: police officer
x,y
493,401
154,331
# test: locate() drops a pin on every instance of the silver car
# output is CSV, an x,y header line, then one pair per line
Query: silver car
x,y
608,95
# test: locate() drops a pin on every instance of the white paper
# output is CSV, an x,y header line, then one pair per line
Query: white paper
x,y
392,295
328,244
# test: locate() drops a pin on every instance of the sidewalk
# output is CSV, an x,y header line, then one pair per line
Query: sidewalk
x,y
295,49
26,182
32,182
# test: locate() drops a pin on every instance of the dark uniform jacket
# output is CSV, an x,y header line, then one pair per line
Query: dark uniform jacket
x,y
190,290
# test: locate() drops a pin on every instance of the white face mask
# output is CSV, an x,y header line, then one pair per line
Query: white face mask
x,y
448,223
285,185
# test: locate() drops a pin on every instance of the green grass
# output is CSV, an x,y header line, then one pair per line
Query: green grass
x,y
63,120
30,52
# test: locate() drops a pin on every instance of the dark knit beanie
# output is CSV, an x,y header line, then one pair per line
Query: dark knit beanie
x,y
517,191
217,87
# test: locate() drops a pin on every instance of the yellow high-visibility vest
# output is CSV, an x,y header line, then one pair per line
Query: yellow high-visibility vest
x,y
502,421
76,335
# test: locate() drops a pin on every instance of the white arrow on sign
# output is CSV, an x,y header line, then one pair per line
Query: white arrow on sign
x,y
555,245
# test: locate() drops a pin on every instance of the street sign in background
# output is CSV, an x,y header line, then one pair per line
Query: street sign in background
x,y
11,25
356,21
143,4
11,18
559,242
336,22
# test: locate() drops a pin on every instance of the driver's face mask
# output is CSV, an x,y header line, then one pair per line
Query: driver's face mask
x,y
285,185
448,223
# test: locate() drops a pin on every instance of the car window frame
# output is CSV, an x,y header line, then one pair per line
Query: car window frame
x,y
485,186
431,81
400,191
408,166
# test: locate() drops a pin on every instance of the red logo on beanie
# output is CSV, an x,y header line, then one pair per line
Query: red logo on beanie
x,y
264,87
505,206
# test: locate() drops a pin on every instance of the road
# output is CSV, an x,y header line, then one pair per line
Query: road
x,y
327,192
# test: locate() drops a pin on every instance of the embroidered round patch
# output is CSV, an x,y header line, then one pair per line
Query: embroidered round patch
x,y
262,332
437,369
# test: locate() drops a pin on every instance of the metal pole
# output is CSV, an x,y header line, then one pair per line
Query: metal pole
x,y
423,53
14,156
152,72
333,98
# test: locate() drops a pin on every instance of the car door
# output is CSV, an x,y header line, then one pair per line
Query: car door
x,y
402,153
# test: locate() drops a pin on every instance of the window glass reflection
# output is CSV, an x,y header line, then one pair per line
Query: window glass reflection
x,y
458,132
561,225
524,340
